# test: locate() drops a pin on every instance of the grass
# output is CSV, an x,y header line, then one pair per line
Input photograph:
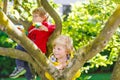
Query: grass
x,y
95,76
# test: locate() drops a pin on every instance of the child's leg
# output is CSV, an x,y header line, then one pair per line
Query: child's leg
x,y
22,67
24,64
28,73
19,70
20,63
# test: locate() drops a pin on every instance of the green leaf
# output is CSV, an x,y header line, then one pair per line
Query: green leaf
x,y
117,1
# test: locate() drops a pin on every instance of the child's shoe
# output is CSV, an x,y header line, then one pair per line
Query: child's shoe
x,y
17,72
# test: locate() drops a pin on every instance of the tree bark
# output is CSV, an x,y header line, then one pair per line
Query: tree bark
x,y
58,24
116,70
5,6
90,50
39,58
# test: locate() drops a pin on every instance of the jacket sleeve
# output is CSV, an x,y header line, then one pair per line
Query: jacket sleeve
x,y
31,35
51,28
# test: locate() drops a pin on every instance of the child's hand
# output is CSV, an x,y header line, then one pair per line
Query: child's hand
x,y
2,28
40,26
43,28
37,24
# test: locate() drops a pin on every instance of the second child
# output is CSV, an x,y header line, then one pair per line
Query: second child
x,y
39,33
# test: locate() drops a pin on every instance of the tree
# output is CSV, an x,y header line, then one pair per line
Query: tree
x,y
39,61
84,23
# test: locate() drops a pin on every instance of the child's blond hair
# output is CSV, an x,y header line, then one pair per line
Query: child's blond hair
x,y
64,41
41,11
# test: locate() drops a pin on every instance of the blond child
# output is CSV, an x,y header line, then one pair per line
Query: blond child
x,y
62,52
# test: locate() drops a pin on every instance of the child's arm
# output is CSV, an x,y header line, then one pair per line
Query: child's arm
x,y
44,28
50,27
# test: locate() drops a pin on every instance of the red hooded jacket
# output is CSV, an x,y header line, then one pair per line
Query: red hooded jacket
x,y
40,37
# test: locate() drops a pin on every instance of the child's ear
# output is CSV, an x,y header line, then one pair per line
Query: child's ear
x,y
44,17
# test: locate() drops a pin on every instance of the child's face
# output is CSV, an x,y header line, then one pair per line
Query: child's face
x,y
59,51
37,18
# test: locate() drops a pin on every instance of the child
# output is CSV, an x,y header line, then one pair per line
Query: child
x,y
39,33
62,52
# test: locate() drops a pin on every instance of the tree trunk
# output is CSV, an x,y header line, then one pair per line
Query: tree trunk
x,y
58,24
5,6
116,70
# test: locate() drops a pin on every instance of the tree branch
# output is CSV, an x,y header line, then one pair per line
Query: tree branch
x,y
38,3
39,58
18,54
21,38
5,6
89,51
105,35
58,23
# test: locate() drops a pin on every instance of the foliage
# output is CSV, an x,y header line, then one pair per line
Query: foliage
x,y
117,1
23,9
85,22
5,41
1,4
95,76
19,9
98,76
6,66
6,62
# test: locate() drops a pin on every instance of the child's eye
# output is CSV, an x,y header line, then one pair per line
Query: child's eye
x,y
59,49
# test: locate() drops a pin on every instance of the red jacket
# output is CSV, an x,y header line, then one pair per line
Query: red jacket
x,y
40,37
